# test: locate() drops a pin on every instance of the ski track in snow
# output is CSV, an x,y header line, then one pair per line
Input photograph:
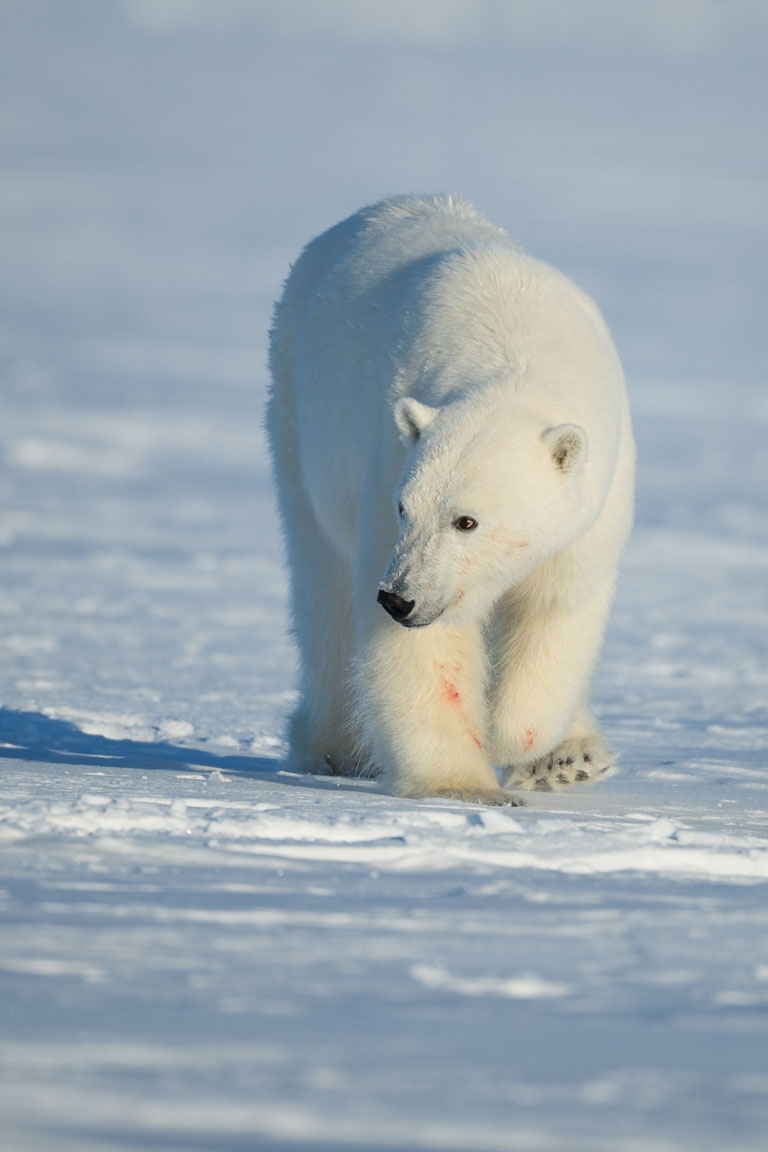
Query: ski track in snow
x,y
201,951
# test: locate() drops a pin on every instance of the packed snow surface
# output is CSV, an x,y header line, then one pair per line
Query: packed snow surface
x,y
199,950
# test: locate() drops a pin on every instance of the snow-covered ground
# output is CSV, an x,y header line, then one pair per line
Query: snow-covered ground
x,y
198,950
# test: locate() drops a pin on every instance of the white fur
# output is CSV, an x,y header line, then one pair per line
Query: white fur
x,y
426,369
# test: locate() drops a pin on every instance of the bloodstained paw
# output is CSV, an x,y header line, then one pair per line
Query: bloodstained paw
x,y
575,761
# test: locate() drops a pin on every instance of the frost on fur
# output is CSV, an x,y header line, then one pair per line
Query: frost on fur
x,y
454,461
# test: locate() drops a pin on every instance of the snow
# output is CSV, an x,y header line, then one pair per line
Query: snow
x,y
199,949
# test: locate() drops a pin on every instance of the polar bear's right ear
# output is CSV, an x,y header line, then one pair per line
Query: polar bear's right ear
x,y
412,418
568,445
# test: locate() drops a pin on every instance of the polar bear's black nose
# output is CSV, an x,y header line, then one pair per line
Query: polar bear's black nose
x,y
395,605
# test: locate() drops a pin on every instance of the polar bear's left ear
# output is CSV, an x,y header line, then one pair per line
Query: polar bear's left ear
x,y
412,418
568,445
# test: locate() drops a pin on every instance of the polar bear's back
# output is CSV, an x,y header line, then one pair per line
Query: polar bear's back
x,y
339,274
420,282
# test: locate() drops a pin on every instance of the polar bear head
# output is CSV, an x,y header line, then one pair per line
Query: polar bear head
x,y
486,494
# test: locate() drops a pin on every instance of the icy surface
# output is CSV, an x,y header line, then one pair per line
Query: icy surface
x,y
198,950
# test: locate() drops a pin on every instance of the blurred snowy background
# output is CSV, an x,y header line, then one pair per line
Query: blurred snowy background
x,y
589,975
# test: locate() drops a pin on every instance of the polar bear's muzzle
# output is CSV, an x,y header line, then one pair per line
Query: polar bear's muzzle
x,y
407,590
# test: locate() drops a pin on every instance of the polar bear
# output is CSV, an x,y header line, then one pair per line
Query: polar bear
x,y
454,460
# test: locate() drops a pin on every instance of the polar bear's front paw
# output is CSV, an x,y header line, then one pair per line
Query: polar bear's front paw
x,y
492,797
575,761
356,767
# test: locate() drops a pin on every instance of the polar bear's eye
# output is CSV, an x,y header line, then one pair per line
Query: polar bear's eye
x,y
465,523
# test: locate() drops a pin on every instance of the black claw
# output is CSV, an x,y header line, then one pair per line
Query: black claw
x,y
569,759
582,775
562,778
587,757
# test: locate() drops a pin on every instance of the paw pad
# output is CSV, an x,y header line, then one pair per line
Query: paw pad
x,y
575,761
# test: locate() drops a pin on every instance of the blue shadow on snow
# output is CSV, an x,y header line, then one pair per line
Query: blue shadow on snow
x,y
34,736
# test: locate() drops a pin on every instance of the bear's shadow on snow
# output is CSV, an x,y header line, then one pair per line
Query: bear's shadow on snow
x,y
39,738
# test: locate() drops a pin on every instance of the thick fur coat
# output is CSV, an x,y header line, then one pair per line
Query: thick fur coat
x,y
454,461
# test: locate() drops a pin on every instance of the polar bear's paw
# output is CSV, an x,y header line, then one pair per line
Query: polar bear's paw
x,y
579,760
493,797
325,764
351,766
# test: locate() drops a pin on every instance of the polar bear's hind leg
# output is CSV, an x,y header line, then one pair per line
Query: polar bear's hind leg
x,y
321,731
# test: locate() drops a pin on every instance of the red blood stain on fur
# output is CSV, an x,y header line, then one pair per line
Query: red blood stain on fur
x,y
452,696
451,692
530,736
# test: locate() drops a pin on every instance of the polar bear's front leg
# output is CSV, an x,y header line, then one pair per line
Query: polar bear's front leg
x,y
543,734
421,694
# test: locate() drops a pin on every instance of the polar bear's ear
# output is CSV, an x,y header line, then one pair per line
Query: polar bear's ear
x,y
412,418
568,445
